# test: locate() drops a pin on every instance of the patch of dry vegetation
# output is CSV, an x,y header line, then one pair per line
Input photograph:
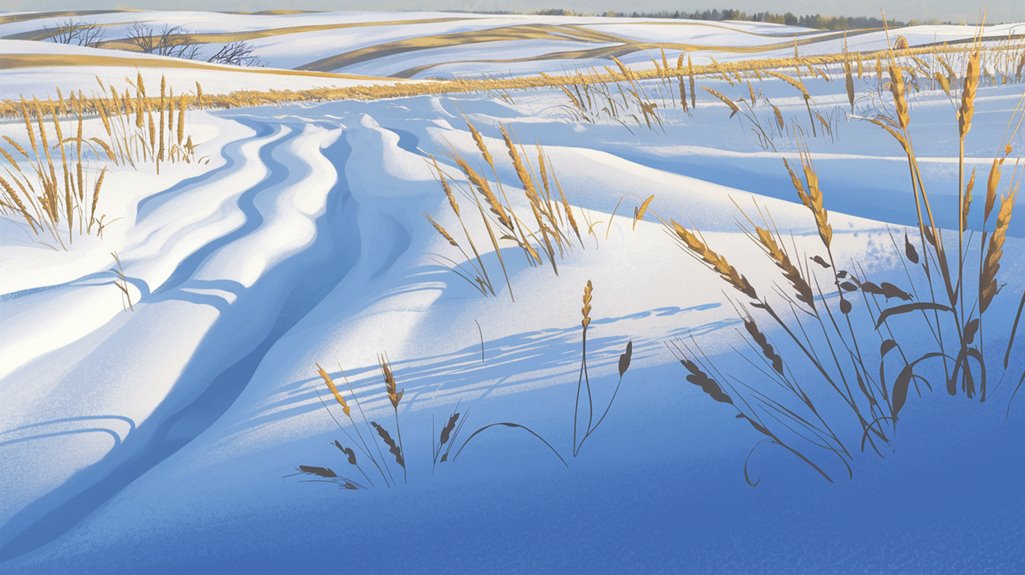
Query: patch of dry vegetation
x,y
1009,57
376,469
53,170
862,340
544,237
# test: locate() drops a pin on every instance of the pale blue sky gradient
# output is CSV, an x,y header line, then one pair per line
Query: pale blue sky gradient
x,y
954,10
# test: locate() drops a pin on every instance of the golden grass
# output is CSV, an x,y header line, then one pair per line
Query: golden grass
x,y
814,201
546,238
137,133
48,187
394,393
394,397
988,285
15,61
874,402
738,30
642,209
939,305
584,393
848,75
800,87
734,109
585,311
622,46
779,256
396,88
443,450
898,91
496,34
697,246
536,206
334,390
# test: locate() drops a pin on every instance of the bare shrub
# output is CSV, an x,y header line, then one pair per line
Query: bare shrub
x,y
173,41
76,33
236,54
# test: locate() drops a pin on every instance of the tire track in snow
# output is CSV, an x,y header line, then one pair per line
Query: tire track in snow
x,y
200,396
84,305
234,159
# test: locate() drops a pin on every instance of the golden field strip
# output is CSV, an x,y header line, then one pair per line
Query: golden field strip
x,y
608,44
498,34
581,32
225,37
622,48
515,32
549,32
12,61
397,88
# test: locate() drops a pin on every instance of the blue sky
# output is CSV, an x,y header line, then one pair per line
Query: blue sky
x,y
956,10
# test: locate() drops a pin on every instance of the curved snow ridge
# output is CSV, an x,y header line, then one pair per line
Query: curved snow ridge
x,y
252,283
50,317
383,277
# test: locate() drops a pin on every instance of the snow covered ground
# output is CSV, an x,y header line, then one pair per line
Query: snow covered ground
x,y
166,438
405,44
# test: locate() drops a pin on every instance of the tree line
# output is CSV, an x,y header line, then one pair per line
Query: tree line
x,y
789,18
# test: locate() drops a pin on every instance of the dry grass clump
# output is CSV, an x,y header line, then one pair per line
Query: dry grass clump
x,y
593,98
582,430
641,96
800,87
931,332
545,236
53,184
443,450
54,180
581,434
644,96
145,129
697,374
448,445
370,450
1004,63
121,283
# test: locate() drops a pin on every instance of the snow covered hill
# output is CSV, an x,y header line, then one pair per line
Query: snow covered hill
x,y
342,48
166,437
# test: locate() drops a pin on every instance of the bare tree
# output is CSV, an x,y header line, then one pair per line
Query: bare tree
x,y
171,41
76,33
236,54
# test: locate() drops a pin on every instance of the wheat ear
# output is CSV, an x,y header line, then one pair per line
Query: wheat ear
x,y
717,262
